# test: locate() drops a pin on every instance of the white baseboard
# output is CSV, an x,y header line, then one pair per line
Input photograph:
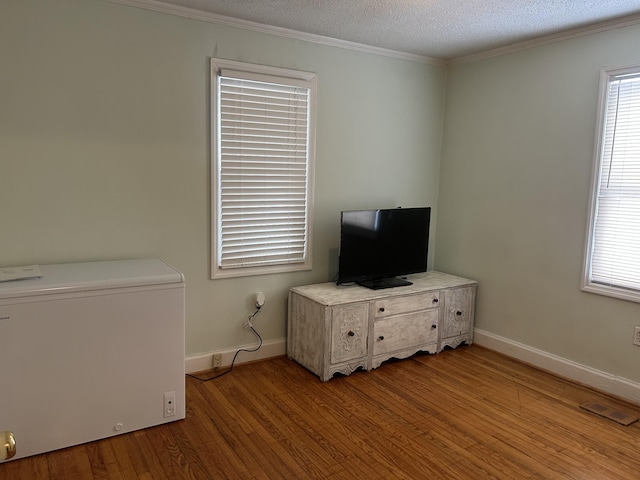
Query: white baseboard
x,y
618,386
270,348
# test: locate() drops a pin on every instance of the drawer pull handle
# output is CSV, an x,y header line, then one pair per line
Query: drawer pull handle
x,y
350,333
459,313
381,337
381,309
435,300
434,326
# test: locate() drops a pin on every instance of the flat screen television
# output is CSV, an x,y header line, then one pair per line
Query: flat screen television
x,y
378,246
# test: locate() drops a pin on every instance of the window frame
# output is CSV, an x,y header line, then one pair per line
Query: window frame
x,y
588,285
274,73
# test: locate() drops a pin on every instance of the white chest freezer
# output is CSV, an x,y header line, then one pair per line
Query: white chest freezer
x,y
90,350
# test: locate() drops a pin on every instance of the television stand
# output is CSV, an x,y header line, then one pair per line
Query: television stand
x,y
388,282
339,329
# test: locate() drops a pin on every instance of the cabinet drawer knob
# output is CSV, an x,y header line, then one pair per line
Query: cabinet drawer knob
x,y
381,309
434,326
381,337
435,300
459,313
350,333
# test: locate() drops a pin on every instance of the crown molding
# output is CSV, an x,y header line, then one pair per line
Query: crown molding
x,y
548,39
194,14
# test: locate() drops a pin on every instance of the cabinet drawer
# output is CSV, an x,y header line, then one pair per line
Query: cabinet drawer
x,y
396,333
388,307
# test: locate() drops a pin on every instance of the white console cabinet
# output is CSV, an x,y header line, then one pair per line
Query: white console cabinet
x,y
338,329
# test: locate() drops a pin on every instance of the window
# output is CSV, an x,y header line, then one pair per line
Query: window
x,y
262,156
612,263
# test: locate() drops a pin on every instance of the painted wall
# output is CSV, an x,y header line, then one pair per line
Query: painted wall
x,y
104,146
515,188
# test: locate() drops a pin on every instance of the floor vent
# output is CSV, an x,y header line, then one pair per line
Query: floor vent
x,y
610,413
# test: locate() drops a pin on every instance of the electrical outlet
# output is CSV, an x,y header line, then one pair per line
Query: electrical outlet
x,y
169,404
260,299
217,361
636,336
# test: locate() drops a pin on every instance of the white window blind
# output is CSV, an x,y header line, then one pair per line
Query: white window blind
x,y
263,170
615,239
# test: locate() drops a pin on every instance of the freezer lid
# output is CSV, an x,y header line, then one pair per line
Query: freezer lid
x,y
78,277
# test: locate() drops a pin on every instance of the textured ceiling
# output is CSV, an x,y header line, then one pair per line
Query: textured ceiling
x,y
442,29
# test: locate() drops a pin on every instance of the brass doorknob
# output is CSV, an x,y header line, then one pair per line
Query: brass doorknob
x,y
7,445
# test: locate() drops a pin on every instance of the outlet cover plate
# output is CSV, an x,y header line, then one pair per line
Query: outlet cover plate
x,y
169,399
217,361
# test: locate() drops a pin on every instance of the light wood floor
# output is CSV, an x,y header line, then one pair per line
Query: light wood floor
x,y
467,413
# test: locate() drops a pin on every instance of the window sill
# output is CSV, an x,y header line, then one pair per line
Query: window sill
x,y
609,291
217,273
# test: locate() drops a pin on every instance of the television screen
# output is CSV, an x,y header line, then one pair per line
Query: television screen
x,y
378,245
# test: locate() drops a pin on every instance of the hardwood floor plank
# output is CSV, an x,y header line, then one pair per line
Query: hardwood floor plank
x,y
466,413
154,467
108,460
203,430
96,462
62,465
302,445
14,470
83,464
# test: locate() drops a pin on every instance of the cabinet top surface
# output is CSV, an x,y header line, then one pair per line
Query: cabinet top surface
x,y
77,277
331,294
